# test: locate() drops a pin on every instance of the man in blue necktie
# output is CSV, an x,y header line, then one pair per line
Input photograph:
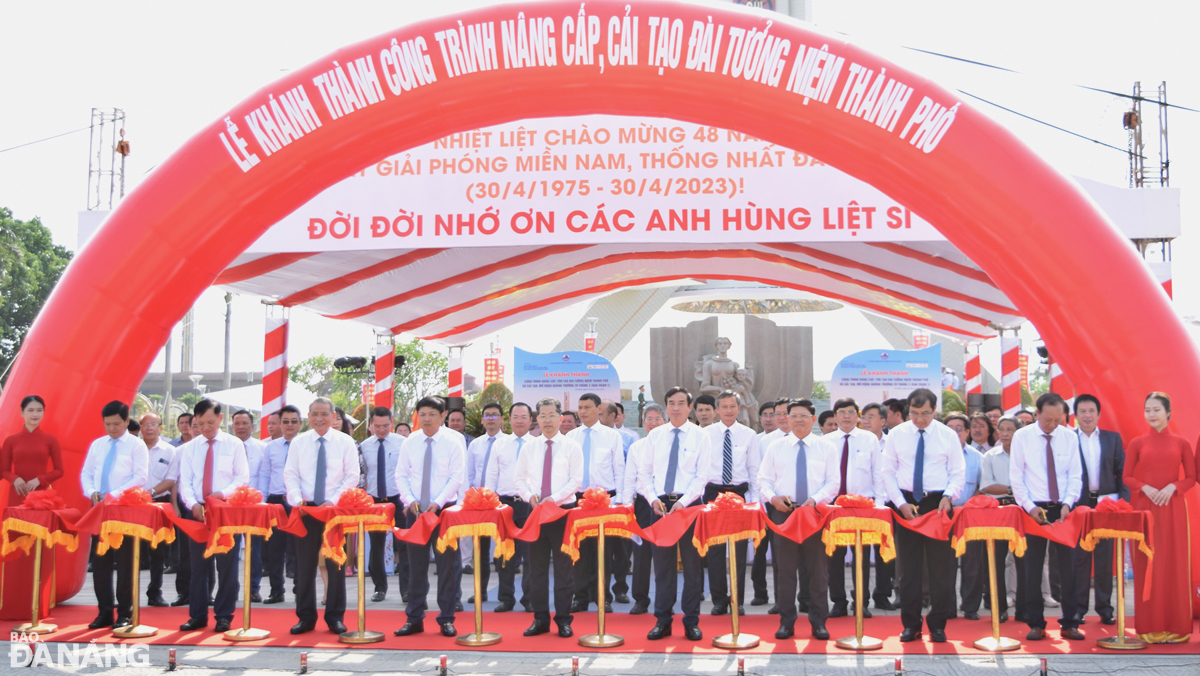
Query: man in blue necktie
x,y
603,467
380,452
282,545
923,471
116,461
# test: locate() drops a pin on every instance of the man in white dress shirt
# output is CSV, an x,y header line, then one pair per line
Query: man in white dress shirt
x,y
603,467
211,464
758,571
162,470
431,470
799,470
620,550
674,470
550,469
114,462
321,464
282,545
501,477
1047,480
872,420
923,471
653,416
734,469
243,428
380,452
481,453
857,456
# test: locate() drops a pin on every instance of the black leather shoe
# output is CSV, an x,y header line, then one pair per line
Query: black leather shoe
x,y
378,596
193,624
608,606
909,635
660,630
255,597
803,608
157,602
785,631
622,598
273,598
937,635
1003,617
970,615
866,611
1107,618
403,598
1079,619
337,627
722,609
302,627
504,606
565,631
449,630
1036,634
472,599
458,608
1073,634
180,601
692,632
222,626
410,628
838,610
639,608
578,606
102,620
886,605
538,628
756,601
122,622
820,633
773,610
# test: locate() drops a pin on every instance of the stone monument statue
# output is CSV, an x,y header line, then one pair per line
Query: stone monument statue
x,y
718,372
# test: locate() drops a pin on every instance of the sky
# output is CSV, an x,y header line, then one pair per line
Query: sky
x,y
174,67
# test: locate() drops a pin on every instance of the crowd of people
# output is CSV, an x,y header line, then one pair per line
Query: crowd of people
x,y
899,453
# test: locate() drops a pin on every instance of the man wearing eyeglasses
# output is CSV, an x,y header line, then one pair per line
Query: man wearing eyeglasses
x,y
480,456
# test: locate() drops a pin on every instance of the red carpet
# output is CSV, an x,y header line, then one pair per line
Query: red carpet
x,y
73,619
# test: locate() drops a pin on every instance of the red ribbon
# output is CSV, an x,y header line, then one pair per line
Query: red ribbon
x,y
244,496
595,498
982,501
854,501
479,499
47,498
135,496
1114,506
355,498
728,500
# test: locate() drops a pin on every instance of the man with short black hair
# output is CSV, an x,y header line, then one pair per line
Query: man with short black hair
x,y
758,571
798,470
826,422
274,431
243,428
569,422
213,464
672,474
653,416
734,469
923,471
994,413
1047,479
429,473
897,413
481,454
501,478
858,463
114,462
281,545
184,423
550,470
1103,464
163,468
321,465
603,467
1025,417
705,409
380,452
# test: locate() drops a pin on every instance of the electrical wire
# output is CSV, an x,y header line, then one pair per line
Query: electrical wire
x,y
1048,124
48,138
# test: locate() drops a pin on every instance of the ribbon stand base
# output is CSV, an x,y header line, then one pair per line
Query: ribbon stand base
x,y
246,633
480,637
995,643
361,635
858,641
33,626
1121,641
736,640
600,639
135,629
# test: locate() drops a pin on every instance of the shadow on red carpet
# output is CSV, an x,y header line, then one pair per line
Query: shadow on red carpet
x,y
72,621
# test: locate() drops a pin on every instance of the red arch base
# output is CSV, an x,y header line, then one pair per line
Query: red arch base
x,y
1075,277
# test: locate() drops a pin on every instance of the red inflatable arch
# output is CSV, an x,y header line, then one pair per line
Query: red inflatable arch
x,y
1039,238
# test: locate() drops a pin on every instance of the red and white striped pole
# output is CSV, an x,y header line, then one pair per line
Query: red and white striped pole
x,y
455,385
385,369
974,371
1059,383
274,381
1010,370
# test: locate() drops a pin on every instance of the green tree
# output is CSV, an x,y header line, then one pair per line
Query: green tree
x,y
496,392
425,373
30,265
319,377
952,402
819,390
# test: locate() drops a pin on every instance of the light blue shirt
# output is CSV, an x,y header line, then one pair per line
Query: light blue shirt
x,y
974,462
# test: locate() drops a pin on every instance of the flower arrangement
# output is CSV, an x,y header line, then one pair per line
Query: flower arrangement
x,y
47,498
355,498
245,496
135,497
728,500
480,499
595,498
